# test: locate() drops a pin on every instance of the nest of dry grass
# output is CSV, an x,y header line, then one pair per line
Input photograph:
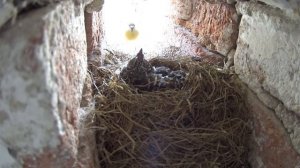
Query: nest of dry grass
x,y
202,124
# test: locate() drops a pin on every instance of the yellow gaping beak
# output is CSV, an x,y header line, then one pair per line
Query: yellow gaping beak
x,y
132,33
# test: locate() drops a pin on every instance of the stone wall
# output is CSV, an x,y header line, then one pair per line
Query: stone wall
x,y
43,65
43,68
266,35
267,59
93,25
214,23
270,145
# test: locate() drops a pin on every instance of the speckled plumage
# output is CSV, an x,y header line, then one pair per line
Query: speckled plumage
x,y
138,70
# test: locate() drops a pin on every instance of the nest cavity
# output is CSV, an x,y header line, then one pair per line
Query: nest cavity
x,y
201,124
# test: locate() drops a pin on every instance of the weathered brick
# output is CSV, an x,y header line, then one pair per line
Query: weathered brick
x,y
270,146
215,23
93,30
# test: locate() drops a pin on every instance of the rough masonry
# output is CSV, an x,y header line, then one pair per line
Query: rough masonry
x,y
43,68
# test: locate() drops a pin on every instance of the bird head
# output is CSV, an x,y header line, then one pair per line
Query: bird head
x,y
131,26
140,55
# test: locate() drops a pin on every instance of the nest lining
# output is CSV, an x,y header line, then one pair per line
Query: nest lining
x,y
202,124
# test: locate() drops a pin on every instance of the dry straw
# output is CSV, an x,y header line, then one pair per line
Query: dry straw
x,y
202,124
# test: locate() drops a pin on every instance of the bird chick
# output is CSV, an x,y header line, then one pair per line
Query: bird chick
x,y
137,71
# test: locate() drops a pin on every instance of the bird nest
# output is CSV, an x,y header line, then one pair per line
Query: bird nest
x,y
201,124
